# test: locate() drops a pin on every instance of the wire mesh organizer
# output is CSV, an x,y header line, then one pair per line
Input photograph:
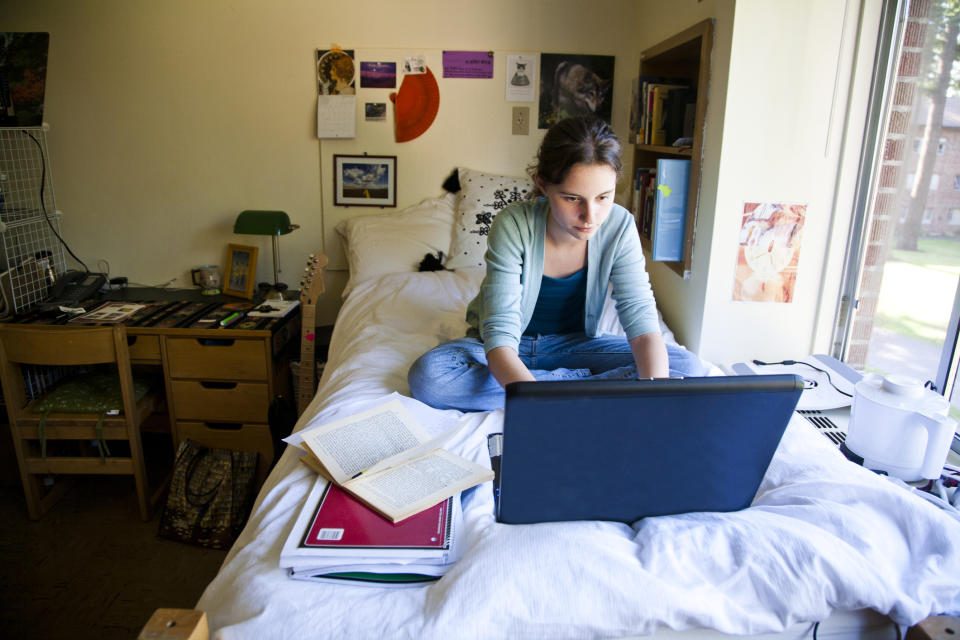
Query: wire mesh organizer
x,y
32,254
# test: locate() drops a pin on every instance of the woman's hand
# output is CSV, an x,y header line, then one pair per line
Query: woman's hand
x,y
506,367
650,354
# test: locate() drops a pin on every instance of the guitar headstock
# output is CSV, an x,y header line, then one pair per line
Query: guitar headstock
x,y
311,286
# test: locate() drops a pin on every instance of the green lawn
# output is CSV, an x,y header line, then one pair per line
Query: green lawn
x,y
916,297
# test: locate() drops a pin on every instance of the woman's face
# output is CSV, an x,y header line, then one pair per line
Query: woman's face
x,y
582,202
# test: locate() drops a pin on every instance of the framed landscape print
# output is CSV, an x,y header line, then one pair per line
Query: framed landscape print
x,y
365,181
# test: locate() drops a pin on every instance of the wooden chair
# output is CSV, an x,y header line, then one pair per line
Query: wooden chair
x,y
71,346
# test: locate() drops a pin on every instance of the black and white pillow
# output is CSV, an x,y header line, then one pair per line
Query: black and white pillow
x,y
482,196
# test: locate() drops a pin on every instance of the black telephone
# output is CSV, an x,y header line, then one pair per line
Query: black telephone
x,y
74,287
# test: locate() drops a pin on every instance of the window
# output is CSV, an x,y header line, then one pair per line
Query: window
x,y
900,310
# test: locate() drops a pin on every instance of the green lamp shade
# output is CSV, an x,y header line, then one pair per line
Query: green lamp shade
x,y
263,223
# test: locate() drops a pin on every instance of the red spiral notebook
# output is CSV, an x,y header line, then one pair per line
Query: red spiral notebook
x,y
342,522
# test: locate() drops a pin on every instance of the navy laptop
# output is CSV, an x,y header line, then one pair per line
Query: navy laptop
x,y
626,449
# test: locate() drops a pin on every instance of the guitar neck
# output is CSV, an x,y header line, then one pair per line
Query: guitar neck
x,y
308,339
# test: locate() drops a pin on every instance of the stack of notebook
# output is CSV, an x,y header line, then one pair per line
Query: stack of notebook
x,y
338,539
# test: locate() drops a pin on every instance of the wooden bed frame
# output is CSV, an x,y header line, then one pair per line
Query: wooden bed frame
x,y
191,624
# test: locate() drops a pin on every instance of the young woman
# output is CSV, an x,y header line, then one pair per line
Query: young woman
x,y
549,262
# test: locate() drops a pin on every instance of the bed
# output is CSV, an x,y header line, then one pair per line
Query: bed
x,y
825,540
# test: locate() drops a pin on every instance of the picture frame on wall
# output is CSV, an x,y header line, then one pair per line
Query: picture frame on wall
x,y
241,270
364,181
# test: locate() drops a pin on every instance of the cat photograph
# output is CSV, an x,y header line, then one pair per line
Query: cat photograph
x,y
572,85
520,78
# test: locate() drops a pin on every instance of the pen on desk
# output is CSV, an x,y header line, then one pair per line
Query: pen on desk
x,y
230,319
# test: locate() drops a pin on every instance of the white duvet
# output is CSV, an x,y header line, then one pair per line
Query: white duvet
x,y
822,535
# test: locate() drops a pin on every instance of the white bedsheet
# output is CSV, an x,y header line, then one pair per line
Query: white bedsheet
x,y
822,535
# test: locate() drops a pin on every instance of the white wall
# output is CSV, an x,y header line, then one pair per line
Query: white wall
x,y
168,118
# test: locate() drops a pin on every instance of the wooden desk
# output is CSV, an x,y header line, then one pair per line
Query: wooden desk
x,y
219,381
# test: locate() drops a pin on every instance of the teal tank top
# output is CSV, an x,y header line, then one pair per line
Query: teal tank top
x,y
560,305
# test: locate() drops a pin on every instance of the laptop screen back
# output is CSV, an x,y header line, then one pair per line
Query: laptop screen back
x,y
627,449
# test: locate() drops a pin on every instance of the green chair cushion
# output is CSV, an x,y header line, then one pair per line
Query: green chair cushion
x,y
94,393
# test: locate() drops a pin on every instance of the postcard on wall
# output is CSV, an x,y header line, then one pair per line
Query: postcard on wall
x,y
521,78
769,251
415,64
378,75
468,64
375,111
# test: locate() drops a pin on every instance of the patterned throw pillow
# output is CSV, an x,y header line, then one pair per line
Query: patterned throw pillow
x,y
482,196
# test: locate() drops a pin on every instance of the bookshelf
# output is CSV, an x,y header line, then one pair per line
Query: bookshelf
x,y
684,55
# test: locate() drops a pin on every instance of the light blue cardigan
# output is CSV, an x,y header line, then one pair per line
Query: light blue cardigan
x,y
504,306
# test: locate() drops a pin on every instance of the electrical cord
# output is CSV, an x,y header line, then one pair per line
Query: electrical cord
x,y
43,205
792,362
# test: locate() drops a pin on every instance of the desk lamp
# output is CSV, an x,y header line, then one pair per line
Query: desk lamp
x,y
267,223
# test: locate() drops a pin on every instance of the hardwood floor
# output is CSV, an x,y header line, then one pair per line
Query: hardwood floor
x,y
90,568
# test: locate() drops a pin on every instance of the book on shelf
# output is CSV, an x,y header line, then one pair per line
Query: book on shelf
x,y
670,209
661,94
336,538
644,184
660,103
386,459
108,313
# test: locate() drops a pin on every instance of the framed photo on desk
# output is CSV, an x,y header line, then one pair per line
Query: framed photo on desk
x,y
241,270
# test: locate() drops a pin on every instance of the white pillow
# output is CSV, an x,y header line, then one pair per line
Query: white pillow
x,y
396,242
482,196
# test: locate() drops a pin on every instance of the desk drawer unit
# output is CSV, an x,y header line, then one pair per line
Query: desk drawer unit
x,y
216,400
144,348
219,391
217,358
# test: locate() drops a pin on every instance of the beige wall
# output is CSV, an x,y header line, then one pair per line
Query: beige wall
x,y
168,118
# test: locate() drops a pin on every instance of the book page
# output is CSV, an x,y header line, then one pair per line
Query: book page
x,y
418,484
415,452
352,445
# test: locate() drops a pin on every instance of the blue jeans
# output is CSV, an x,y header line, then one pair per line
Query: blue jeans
x,y
454,375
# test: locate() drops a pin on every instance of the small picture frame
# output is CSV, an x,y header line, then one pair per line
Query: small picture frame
x,y
365,181
241,270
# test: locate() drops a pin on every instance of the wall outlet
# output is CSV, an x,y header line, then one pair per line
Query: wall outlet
x,y
521,121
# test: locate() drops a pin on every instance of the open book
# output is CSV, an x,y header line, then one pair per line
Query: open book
x,y
385,459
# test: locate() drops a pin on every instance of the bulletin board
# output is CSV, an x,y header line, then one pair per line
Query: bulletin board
x,y
472,129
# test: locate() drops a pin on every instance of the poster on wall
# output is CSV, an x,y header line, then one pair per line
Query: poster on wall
x,y
23,76
468,64
337,100
574,85
769,252
521,75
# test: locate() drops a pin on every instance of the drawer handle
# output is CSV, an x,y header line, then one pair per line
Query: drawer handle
x,y
215,342
131,340
210,384
224,426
